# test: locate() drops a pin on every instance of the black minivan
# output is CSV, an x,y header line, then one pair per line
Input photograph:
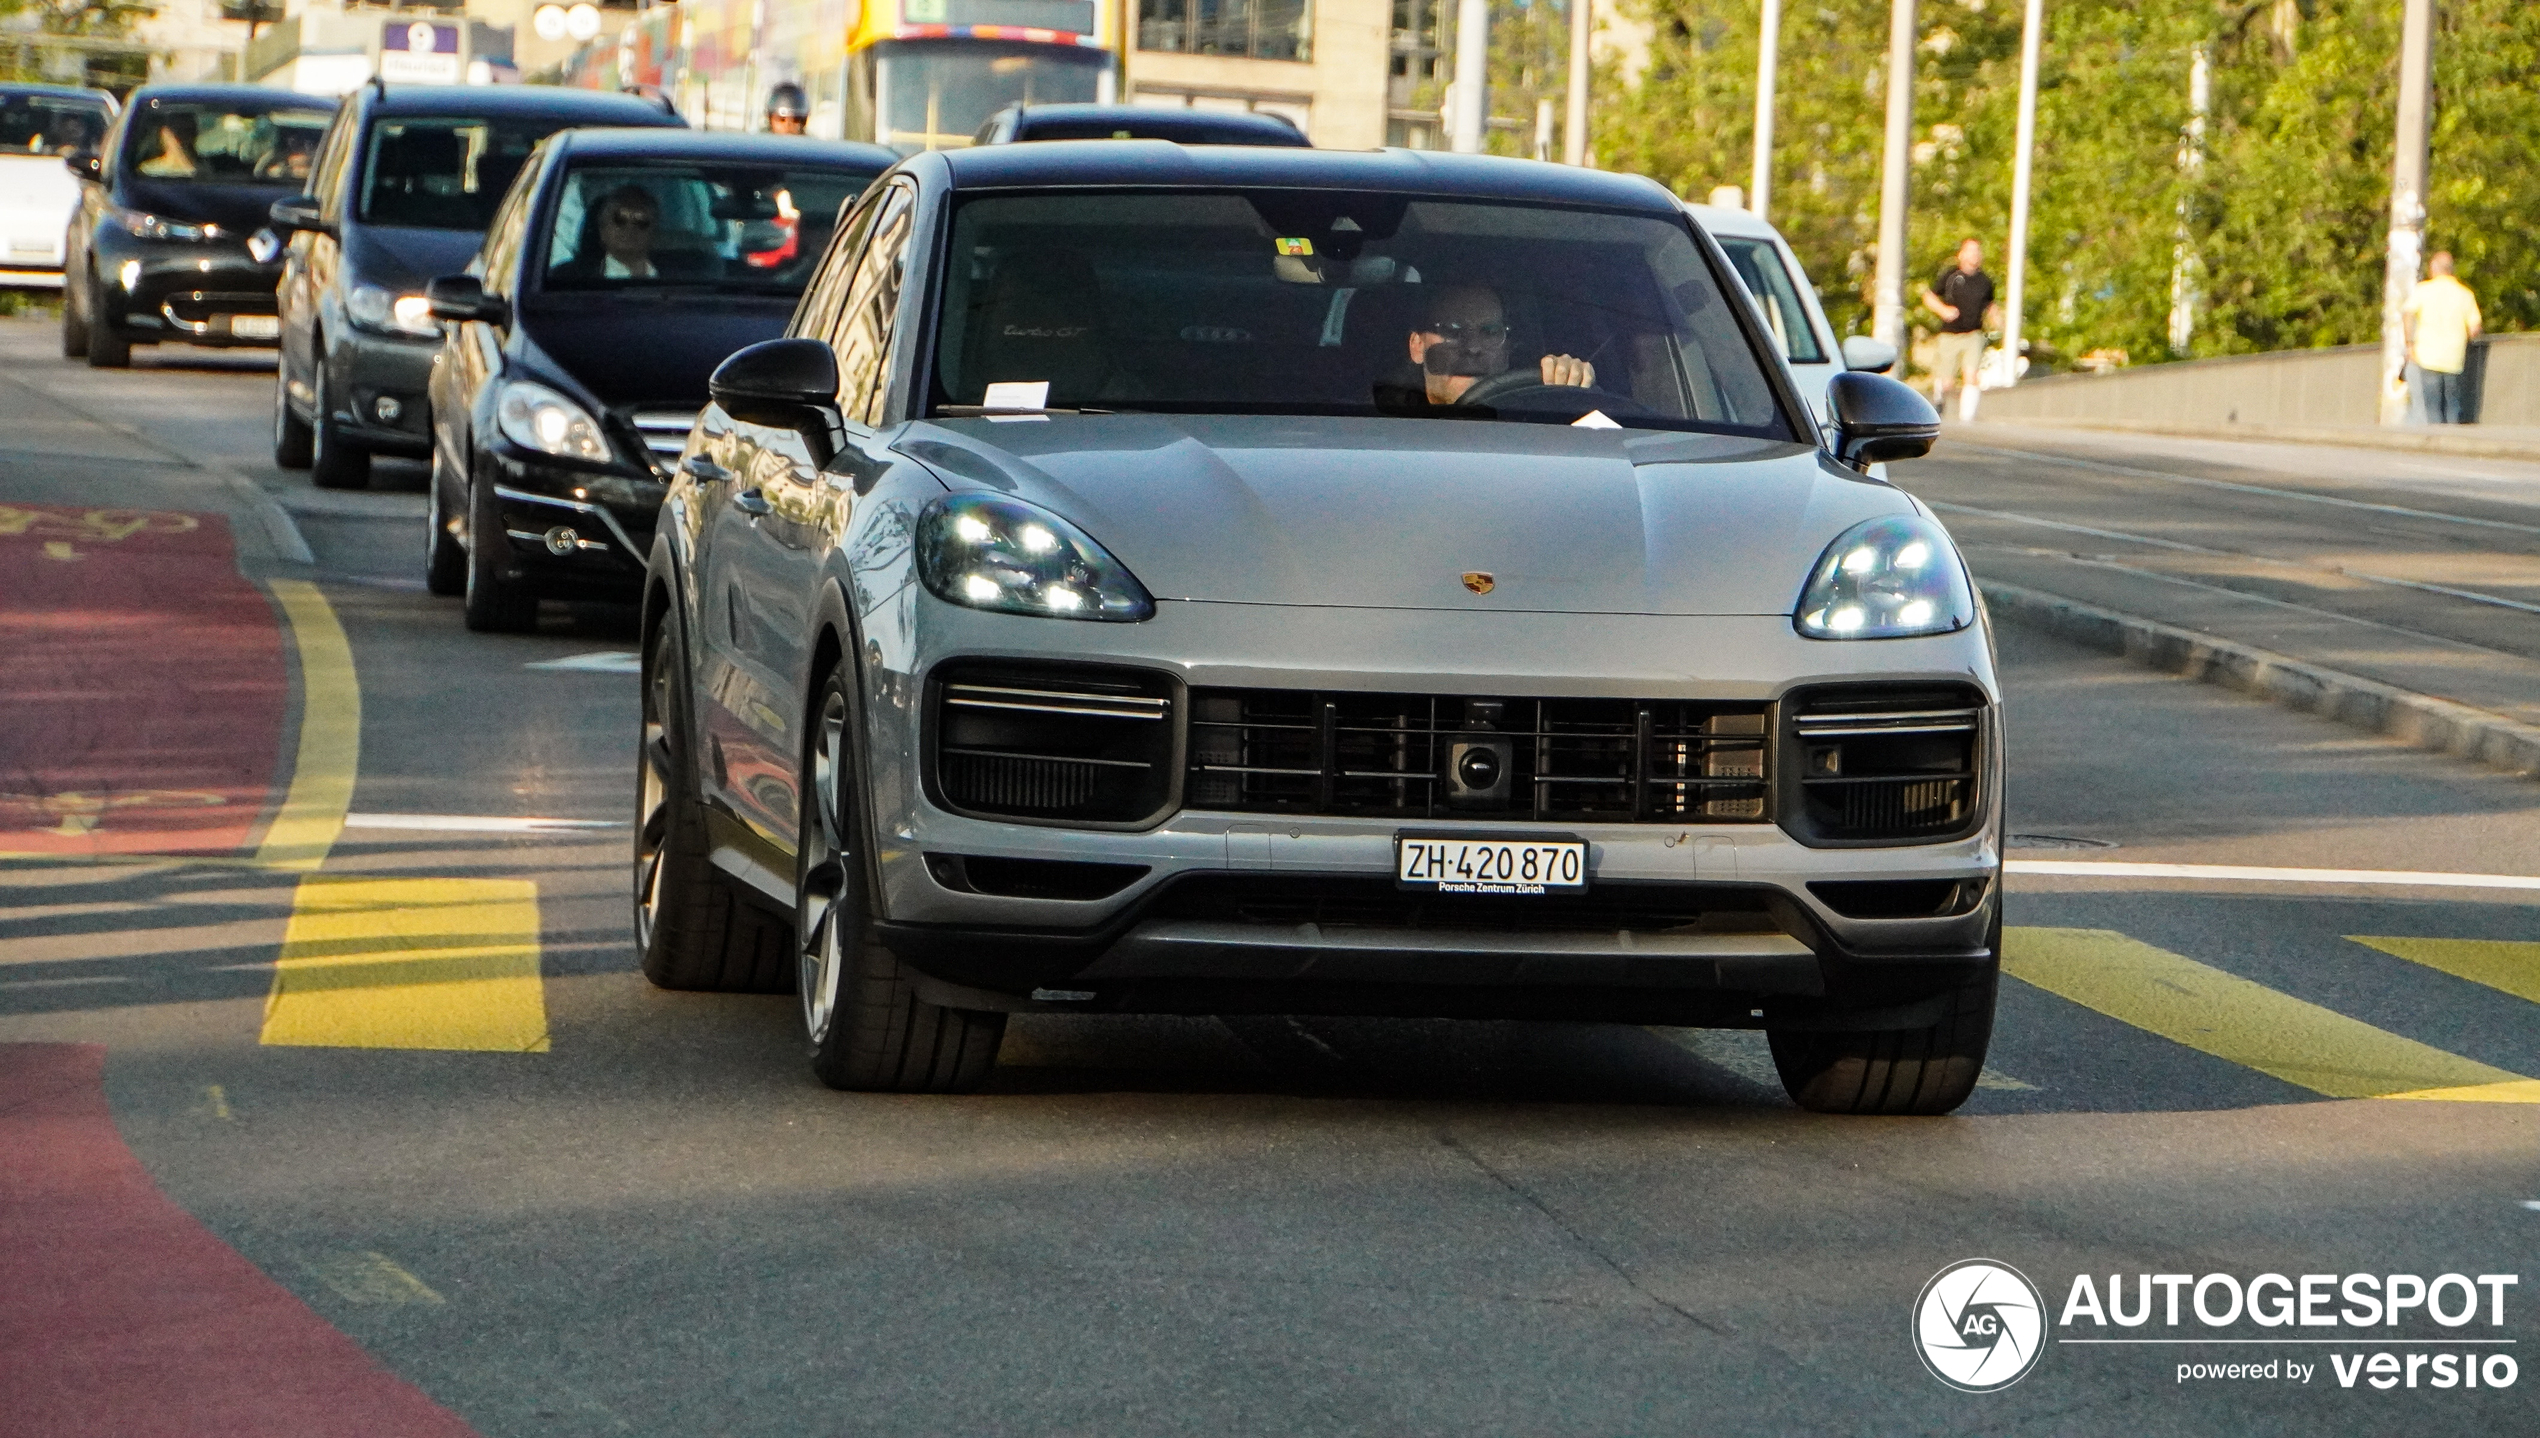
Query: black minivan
x,y
406,181
160,249
624,267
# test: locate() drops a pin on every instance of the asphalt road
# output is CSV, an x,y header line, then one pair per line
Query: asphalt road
x,y
646,1217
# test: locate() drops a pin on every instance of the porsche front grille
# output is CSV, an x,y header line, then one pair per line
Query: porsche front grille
x,y
1062,745
1412,756
1882,764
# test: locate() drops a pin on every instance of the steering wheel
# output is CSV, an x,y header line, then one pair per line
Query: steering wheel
x,y
1500,388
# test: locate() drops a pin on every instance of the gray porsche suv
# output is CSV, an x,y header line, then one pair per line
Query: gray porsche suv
x,y
404,184
1213,580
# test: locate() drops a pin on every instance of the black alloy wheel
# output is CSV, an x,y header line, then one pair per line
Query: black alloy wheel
x,y
868,1028
691,930
1929,1070
497,603
334,461
107,347
444,558
291,437
74,320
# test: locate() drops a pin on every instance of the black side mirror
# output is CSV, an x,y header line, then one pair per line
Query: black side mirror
x,y
87,164
300,212
463,297
1877,419
783,384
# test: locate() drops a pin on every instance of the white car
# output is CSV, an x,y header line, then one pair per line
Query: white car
x,y
40,127
1781,289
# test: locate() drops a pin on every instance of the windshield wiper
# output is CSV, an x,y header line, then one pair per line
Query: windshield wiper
x,y
981,411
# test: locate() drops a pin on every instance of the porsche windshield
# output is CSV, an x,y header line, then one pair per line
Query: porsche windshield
x,y
1333,302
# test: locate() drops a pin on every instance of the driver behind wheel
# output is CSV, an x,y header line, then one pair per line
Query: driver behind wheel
x,y
1465,341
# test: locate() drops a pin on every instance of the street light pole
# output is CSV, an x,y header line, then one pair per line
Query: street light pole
x,y
1767,61
1887,310
1574,127
1472,82
2017,296
2407,204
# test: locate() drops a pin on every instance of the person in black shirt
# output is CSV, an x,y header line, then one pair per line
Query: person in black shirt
x,y
1962,297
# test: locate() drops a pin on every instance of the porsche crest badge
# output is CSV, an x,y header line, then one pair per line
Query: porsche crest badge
x,y
1479,581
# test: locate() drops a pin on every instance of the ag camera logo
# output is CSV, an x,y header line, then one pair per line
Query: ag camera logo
x,y
1980,1325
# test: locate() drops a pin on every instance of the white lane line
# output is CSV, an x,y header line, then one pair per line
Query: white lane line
x,y
2103,869
477,823
604,661
2399,509
59,983
2472,595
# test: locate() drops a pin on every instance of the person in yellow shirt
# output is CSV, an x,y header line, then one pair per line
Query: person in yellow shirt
x,y
2442,318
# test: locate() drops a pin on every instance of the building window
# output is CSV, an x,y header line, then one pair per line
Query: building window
x,y
1251,29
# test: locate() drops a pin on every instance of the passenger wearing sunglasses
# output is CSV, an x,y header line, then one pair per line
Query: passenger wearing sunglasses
x,y
1465,341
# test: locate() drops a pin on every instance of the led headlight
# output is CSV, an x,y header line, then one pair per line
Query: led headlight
x,y
374,308
142,225
987,552
536,417
1886,579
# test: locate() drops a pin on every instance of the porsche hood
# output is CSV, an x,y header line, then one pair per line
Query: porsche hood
x,y
1424,514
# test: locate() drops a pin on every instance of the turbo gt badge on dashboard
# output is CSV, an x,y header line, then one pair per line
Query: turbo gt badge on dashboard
x,y
1479,581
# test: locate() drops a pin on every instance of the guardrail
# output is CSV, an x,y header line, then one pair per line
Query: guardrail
x,y
2309,388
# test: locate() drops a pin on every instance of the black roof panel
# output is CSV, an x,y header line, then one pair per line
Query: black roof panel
x,y
1159,162
261,97
586,107
656,142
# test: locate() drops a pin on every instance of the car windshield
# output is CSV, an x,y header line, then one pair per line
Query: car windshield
x,y
653,224
217,144
1333,302
445,173
50,124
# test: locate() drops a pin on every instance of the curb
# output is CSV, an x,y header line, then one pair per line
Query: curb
x,y
2439,726
2418,439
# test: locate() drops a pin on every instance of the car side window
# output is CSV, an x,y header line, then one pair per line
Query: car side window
x,y
503,237
327,178
863,336
817,315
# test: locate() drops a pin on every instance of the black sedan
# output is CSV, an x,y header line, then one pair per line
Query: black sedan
x,y
624,265
158,251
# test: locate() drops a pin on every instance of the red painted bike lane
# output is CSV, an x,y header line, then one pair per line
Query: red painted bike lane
x,y
122,1315
143,685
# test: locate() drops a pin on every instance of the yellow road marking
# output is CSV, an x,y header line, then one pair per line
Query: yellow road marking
x,y
410,964
2497,963
2246,1023
312,813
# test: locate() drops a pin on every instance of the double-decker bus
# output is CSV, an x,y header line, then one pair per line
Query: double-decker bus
x,y
911,74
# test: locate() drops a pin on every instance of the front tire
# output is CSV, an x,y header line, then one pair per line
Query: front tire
x,y
868,1028
74,320
691,930
496,604
292,440
334,461
444,558
1925,1071
107,347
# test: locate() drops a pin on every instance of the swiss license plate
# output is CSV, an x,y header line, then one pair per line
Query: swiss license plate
x,y
1467,864
255,327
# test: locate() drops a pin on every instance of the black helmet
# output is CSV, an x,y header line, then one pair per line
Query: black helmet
x,y
786,102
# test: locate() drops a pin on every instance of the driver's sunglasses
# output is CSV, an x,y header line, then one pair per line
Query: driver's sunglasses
x,y
1487,331
626,221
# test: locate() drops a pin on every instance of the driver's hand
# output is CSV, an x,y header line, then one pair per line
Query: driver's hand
x,y
1573,373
